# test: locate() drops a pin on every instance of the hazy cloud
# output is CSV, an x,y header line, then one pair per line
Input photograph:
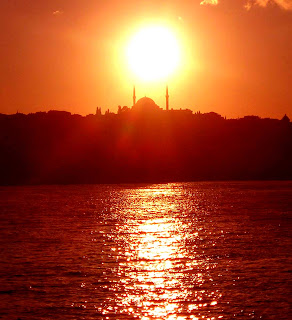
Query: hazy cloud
x,y
209,2
248,5
284,4
57,13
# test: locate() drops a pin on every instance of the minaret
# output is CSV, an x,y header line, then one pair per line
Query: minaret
x,y
167,98
134,96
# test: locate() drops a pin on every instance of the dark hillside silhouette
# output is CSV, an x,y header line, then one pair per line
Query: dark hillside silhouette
x,y
132,146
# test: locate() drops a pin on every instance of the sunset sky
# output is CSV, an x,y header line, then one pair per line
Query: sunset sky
x,y
236,55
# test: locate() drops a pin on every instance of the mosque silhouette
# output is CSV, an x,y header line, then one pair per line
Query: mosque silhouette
x,y
147,104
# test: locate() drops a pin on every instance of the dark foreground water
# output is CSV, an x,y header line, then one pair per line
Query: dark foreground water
x,y
165,251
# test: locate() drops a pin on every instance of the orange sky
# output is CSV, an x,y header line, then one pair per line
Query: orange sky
x,y
69,55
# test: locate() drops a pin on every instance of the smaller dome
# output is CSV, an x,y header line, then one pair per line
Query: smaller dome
x,y
145,104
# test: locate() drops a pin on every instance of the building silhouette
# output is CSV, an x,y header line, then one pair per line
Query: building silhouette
x,y
148,104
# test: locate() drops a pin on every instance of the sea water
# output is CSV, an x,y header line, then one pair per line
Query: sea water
x,y
207,250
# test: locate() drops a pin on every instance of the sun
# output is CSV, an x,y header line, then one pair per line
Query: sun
x,y
153,53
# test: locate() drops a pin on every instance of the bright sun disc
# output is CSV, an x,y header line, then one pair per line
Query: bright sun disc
x,y
153,53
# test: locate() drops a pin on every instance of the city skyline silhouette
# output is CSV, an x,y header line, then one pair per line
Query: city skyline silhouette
x,y
144,143
229,57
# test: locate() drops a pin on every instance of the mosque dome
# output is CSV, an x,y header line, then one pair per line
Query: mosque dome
x,y
145,104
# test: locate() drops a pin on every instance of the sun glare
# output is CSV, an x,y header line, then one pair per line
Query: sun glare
x,y
153,53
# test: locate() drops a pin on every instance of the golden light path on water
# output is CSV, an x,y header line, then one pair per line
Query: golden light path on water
x,y
202,250
162,276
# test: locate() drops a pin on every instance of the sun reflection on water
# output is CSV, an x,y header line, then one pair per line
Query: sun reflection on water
x,y
161,277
